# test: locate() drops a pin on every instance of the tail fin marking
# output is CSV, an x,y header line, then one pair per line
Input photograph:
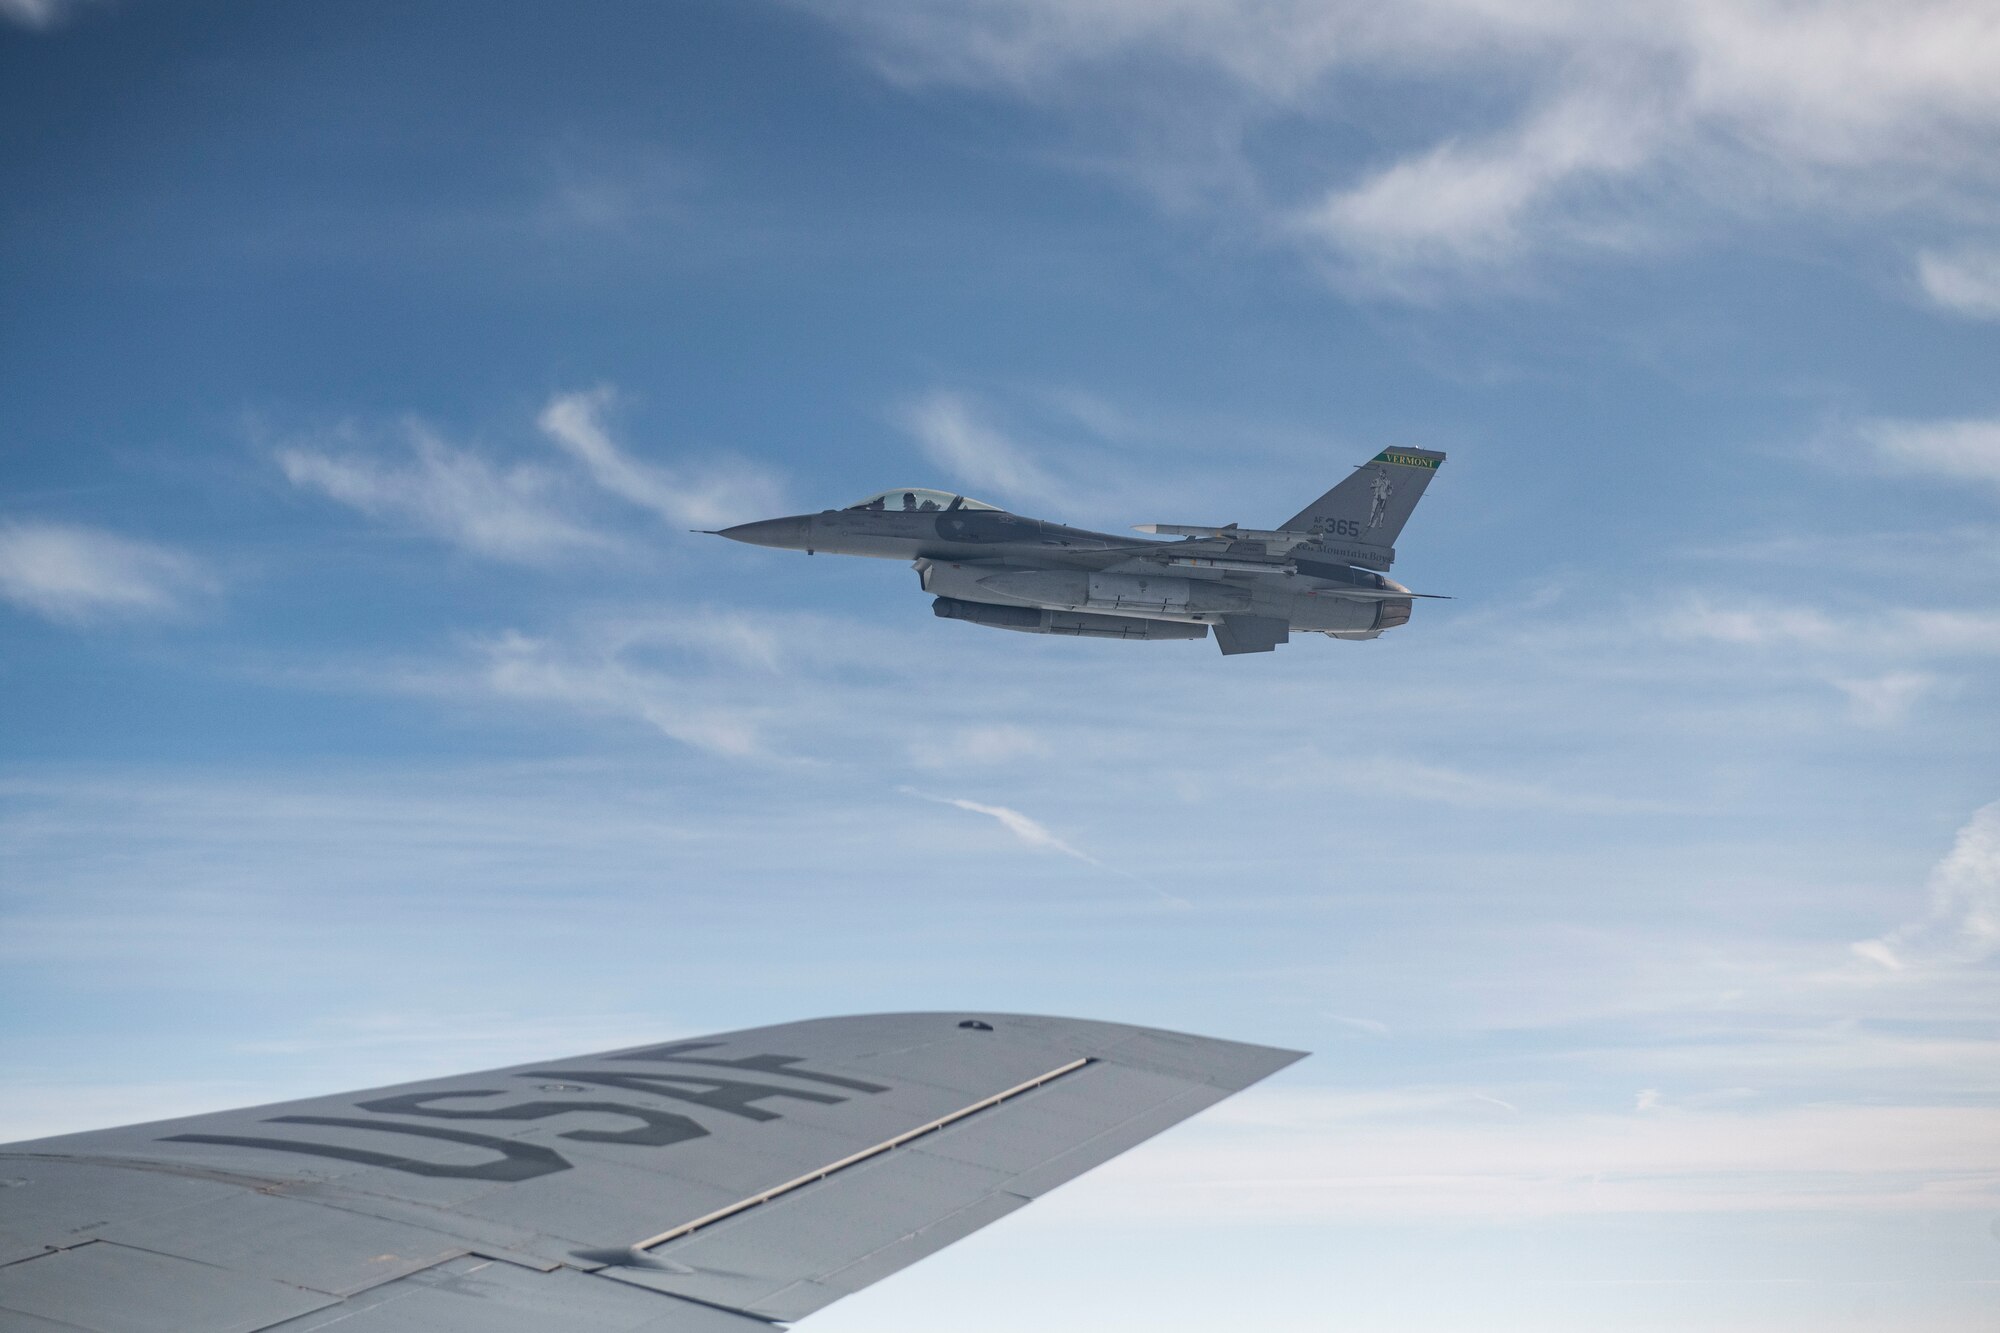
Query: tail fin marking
x,y
1370,506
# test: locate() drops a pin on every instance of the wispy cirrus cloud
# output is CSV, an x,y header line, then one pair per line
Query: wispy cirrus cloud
x,y
768,687
984,745
612,191
1595,129
1857,633
39,15
1884,660
1963,449
83,575
1886,699
525,512
516,513
954,434
1328,1155
1480,206
1060,452
606,678
1030,831
707,496
1761,1100
356,1049
1401,776
1963,925
1037,835
1965,281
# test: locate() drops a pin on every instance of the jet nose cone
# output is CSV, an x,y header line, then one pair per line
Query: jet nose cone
x,y
787,534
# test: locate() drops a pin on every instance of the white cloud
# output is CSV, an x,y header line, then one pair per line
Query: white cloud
x,y
1478,205
986,745
603,680
975,452
1888,698
1615,124
1966,449
1966,281
712,497
1037,835
1966,884
1066,453
1295,1156
505,513
1437,784
1878,952
39,14
523,512
803,689
1750,626
1964,921
1029,831
611,192
1893,632
1374,1027
80,575
1883,660
360,1050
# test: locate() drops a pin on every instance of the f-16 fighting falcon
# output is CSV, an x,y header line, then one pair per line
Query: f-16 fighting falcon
x,y
1320,572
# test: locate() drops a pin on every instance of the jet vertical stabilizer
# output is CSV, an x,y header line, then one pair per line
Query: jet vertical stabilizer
x,y
1368,510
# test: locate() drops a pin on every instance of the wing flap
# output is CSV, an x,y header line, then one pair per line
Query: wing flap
x,y
483,1296
62,1201
300,1244
107,1288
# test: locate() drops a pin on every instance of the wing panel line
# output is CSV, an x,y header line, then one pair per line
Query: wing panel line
x,y
855,1159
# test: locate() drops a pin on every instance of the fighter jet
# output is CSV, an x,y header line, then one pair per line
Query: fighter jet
x,y
1321,572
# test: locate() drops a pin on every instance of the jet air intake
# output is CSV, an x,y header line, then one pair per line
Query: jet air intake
x,y
1140,594
1084,624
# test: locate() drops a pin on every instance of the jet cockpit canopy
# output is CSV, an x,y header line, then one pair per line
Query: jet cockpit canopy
x,y
916,499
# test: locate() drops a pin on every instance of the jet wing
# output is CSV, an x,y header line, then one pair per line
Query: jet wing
x,y
702,1186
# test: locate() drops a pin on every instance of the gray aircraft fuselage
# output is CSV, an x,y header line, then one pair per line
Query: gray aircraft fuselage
x,y
1008,571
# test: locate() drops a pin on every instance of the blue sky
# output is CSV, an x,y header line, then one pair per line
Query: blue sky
x,y
370,712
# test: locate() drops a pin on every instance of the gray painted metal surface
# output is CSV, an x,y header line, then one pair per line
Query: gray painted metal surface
x,y
700,1186
474,1295
116,1289
1322,572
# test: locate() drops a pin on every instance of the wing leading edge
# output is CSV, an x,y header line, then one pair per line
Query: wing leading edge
x,y
703,1186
